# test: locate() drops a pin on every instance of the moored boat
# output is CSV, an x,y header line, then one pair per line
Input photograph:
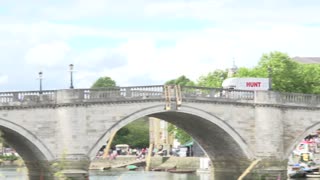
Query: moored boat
x,y
132,167
296,172
105,168
158,169
313,175
181,170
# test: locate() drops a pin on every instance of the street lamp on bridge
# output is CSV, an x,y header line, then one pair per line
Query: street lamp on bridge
x,y
270,77
71,75
40,82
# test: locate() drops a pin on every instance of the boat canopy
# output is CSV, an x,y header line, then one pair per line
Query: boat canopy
x,y
189,143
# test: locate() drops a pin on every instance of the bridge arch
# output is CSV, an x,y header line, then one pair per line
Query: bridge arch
x,y
224,146
300,137
32,150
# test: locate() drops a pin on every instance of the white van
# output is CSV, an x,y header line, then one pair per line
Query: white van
x,y
183,152
246,83
122,149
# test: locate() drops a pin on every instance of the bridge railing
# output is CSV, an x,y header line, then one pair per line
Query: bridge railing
x,y
298,98
26,98
216,93
118,93
7,98
157,92
288,99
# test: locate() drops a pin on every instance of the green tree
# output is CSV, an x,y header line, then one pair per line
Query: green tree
x,y
311,78
135,134
182,81
284,71
287,75
213,79
104,82
254,72
180,134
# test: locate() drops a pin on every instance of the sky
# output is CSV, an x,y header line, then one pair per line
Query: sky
x,y
145,42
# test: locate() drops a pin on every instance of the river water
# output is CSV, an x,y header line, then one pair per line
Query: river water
x,y
122,174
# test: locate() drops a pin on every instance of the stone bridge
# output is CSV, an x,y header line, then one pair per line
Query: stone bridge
x,y
233,127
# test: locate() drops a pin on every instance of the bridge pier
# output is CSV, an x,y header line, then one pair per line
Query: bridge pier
x,y
266,169
39,170
40,176
72,166
270,144
269,169
228,168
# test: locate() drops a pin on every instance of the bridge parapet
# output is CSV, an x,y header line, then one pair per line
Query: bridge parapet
x,y
32,98
289,99
111,94
27,98
188,93
216,93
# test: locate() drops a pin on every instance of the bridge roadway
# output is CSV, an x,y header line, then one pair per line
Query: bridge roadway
x,y
233,127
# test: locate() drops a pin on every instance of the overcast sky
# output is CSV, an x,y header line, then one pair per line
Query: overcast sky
x,y
145,42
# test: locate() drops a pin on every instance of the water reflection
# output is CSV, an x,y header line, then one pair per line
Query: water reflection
x,y
129,175
121,174
13,174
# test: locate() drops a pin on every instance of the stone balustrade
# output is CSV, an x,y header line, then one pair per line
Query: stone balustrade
x,y
188,93
288,99
26,98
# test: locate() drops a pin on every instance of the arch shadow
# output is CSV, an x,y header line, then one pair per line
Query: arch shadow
x,y
32,150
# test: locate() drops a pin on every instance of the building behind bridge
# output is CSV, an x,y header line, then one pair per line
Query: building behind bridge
x,y
307,60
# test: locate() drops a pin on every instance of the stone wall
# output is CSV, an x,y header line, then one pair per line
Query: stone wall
x,y
157,161
178,162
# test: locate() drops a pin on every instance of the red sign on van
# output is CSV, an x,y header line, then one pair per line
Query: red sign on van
x,y
253,84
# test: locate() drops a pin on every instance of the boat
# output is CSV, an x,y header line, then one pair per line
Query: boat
x,y
313,175
181,170
132,167
163,168
158,169
105,168
297,172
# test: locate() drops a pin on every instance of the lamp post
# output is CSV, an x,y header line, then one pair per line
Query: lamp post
x,y
40,82
71,77
270,78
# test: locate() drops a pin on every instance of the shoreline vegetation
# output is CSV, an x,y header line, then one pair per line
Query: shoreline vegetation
x,y
11,163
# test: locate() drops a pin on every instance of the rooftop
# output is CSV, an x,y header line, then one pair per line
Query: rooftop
x,y
307,60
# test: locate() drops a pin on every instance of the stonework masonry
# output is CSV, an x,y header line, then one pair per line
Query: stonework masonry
x,y
233,127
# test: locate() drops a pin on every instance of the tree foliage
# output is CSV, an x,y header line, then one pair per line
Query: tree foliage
x,y
135,134
213,79
287,75
179,134
104,82
311,78
182,81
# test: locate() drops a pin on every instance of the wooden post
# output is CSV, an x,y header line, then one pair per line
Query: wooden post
x,y
247,171
148,160
106,150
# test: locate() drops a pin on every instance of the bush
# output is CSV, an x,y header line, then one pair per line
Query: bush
x,y
8,158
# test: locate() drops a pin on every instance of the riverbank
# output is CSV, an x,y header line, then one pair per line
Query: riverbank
x,y
16,163
122,161
156,162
